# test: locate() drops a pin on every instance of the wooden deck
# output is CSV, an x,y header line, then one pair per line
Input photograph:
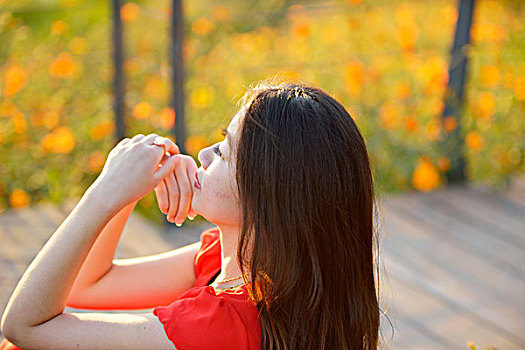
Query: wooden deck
x,y
453,263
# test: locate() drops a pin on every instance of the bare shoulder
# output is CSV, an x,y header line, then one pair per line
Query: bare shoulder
x,y
96,331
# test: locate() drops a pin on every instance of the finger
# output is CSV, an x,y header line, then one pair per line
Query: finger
x,y
191,169
174,195
186,193
124,141
171,147
161,192
137,137
148,140
168,166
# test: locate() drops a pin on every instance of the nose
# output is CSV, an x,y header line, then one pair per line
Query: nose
x,y
205,157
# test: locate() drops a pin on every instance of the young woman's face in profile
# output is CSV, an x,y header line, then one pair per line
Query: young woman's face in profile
x,y
217,199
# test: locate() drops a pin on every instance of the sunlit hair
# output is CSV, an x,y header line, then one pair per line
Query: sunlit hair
x,y
307,202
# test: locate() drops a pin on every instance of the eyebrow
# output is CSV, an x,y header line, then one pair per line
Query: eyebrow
x,y
226,133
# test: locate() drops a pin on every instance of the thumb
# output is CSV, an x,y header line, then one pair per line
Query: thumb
x,y
168,166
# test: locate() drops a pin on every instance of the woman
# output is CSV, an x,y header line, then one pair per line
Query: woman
x,y
290,190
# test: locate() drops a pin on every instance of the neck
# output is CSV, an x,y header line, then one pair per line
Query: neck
x,y
229,267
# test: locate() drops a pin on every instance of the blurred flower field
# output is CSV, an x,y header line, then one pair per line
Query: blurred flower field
x,y
386,61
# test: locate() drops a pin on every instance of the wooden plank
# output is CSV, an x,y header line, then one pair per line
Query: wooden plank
x,y
439,319
443,221
446,271
484,213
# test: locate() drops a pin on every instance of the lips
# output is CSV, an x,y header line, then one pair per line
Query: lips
x,y
197,184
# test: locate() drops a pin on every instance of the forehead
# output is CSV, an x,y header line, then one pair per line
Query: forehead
x,y
234,123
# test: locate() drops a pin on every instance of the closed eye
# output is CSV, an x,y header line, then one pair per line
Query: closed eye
x,y
217,150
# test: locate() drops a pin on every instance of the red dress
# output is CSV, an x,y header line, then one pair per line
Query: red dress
x,y
205,318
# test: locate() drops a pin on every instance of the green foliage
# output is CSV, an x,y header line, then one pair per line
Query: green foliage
x,y
386,61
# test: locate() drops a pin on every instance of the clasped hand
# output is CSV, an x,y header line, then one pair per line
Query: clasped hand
x,y
136,166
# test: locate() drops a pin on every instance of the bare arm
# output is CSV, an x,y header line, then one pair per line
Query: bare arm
x,y
34,314
100,258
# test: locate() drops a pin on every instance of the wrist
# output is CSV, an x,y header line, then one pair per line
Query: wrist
x,y
103,199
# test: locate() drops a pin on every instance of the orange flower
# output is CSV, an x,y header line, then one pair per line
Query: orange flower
x,y
19,198
202,26
61,140
101,130
411,124
426,176
519,88
167,118
7,107
489,75
474,141
96,161
450,123
354,77
301,29
156,88
59,27
19,122
64,66
195,143
443,163
129,12
15,79
221,13
142,110
389,115
402,89
485,105
407,34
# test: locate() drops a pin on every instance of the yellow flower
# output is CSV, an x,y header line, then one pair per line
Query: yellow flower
x,y
129,12
474,141
426,176
202,26
78,46
59,27
142,110
15,79
64,66
19,198
202,97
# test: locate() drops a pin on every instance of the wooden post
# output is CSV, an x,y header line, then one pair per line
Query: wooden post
x,y
177,36
118,77
457,72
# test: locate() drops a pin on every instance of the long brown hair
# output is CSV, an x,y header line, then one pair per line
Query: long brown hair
x,y
307,200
